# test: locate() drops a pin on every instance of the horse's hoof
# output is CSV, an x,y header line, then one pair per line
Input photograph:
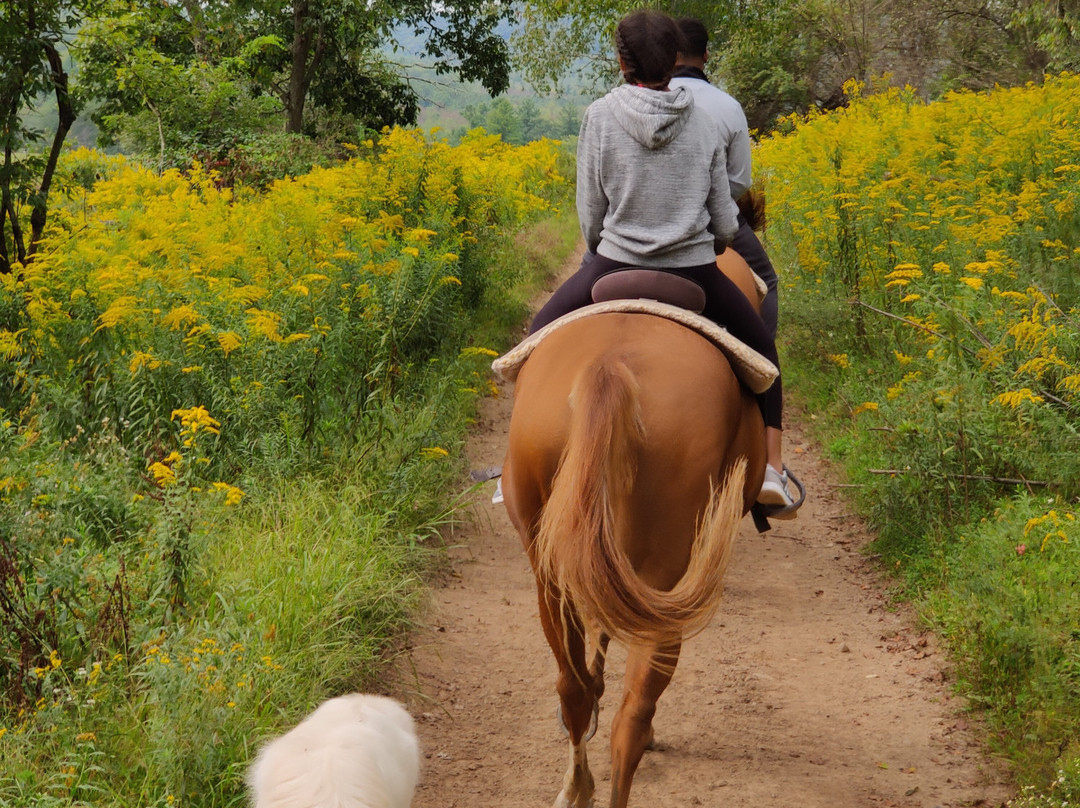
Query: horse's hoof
x,y
562,802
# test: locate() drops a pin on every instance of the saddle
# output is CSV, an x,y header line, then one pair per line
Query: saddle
x,y
663,294
641,283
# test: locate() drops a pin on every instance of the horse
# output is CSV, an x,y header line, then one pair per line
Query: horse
x,y
633,453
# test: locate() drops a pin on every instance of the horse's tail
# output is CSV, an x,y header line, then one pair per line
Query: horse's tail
x,y
577,548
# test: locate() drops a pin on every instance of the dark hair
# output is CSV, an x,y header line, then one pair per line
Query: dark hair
x,y
648,42
696,36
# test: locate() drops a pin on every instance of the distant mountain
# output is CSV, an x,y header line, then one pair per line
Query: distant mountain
x,y
454,105
414,45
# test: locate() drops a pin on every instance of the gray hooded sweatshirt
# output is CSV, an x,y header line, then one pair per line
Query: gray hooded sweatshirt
x,y
652,187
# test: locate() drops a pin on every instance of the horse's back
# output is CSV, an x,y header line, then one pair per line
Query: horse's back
x,y
739,272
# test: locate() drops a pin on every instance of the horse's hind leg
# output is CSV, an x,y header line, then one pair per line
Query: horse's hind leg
x,y
600,644
577,695
648,672
596,667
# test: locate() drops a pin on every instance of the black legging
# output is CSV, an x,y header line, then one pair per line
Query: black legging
x,y
747,245
725,305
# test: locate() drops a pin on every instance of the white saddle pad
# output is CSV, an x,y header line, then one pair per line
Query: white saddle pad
x,y
753,369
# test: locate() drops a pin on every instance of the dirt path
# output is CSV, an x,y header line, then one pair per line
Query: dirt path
x,y
809,690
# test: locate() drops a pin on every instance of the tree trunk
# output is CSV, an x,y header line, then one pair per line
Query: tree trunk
x,y
307,49
301,45
67,118
7,210
12,103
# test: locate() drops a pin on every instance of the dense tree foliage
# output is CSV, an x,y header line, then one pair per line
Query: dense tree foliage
x,y
783,56
524,121
198,68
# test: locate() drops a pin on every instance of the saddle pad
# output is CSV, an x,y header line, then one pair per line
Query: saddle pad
x,y
759,283
753,369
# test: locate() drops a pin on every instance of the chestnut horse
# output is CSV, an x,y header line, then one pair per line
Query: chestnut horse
x,y
633,454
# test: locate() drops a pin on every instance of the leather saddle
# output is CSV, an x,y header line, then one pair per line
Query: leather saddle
x,y
642,283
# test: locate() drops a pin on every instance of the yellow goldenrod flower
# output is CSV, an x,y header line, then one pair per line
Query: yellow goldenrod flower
x,y
9,343
228,341
420,235
391,223
180,317
264,323
1014,398
477,351
194,419
233,495
144,359
163,475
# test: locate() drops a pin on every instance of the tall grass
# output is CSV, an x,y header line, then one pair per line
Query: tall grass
x,y
933,322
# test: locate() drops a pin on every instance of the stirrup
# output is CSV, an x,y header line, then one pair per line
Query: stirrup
x,y
762,513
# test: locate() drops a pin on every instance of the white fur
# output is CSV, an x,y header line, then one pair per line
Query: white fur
x,y
355,751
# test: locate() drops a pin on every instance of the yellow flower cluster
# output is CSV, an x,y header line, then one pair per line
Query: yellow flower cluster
x,y
178,253
172,282
1053,525
962,211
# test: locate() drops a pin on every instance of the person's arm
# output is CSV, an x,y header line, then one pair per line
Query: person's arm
x,y
739,169
722,208
592,203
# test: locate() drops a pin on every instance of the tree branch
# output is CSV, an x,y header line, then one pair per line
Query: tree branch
x,y
912,323
980,477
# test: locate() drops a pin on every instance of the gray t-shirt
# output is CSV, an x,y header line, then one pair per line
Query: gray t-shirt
x,y
731,124
652,186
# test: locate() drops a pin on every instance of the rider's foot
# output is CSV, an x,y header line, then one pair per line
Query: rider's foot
x,y
498,497
774,491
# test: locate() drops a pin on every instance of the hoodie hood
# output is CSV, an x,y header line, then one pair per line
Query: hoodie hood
x,y
653,118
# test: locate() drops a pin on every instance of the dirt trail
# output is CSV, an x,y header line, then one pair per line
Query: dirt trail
x,y
809,690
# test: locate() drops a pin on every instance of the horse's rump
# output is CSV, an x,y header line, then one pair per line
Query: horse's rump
x,y
617,450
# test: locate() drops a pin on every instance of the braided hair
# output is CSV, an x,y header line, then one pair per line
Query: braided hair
x,y
648,43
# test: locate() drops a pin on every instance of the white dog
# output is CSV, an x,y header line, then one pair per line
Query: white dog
x,y
355,751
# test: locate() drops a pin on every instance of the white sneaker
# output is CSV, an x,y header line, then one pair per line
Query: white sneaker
x,y
497,497
774,491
